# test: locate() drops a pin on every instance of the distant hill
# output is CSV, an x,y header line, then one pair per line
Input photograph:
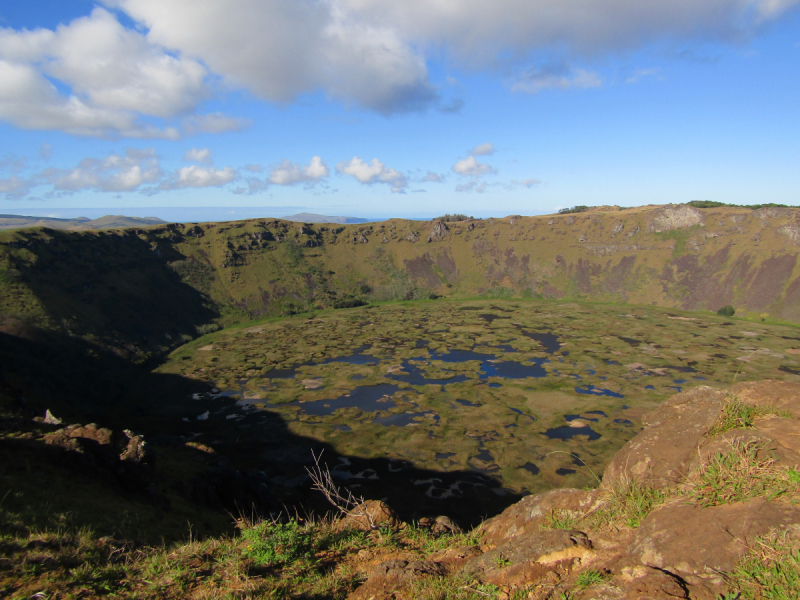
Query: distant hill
x,y
77,224
312,218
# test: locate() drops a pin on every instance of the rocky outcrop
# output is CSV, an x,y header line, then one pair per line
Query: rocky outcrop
x,y
672,216
660,455
683,546
124,455
438,232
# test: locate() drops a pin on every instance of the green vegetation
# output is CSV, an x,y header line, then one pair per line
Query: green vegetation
x,y
771,570
561,518
727,311
589,578
715,204
627,502
455,218
575,209
740,474
739,415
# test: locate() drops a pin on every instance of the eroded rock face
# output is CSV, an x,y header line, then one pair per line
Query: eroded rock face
x,y
672,216
660,455
438,232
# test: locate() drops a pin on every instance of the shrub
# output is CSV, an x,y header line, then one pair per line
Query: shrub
x,y
574,209
727,311
451,218
348,303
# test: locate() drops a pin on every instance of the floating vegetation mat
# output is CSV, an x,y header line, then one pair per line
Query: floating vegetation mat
x,y
509,396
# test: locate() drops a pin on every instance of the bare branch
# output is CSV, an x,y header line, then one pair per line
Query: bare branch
x,y
341,498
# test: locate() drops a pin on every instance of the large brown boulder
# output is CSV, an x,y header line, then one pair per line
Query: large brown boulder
x,y
699,545
660,455
532,512
371,514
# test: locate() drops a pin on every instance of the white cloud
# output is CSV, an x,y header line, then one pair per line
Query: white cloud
x,y
114,173
640,74
470,167
486,149
201,155
14,187
529,183
433,177
373,172
473,186
535,80
476,33
200,177
279,49
96,77
289,173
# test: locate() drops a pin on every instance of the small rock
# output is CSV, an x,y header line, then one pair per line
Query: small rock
x,y
50,418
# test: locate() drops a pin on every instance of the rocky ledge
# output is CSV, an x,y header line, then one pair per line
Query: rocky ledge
x,y
711,482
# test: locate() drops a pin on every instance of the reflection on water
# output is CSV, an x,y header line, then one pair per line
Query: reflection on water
x,y
369,398
566,432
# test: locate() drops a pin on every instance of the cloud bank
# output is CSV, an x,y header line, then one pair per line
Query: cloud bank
x,y
97,77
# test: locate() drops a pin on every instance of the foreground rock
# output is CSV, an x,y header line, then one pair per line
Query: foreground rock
x,y
122,454
686,544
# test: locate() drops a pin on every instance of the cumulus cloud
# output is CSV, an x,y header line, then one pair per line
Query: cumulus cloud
x,y
96,77
473,186
195,176
533,81
279,49
201,155
486,149
114,173
14,187
373,172
433,177
470,167
289,173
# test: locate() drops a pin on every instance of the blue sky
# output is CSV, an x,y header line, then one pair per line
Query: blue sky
x,y
376,108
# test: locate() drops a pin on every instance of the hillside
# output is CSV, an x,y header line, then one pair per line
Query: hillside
x,y
123,286
77,224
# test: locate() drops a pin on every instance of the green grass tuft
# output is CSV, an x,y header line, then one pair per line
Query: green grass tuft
x,y
741,474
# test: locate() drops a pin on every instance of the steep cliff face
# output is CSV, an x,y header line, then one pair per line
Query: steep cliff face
x,y
673,256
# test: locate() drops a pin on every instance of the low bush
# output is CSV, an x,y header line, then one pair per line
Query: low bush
x,y
727,311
